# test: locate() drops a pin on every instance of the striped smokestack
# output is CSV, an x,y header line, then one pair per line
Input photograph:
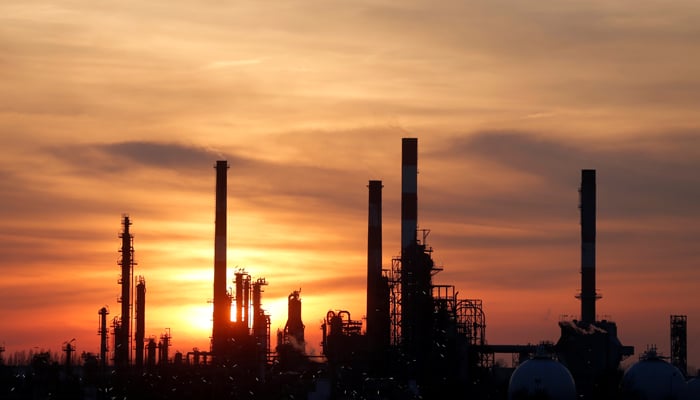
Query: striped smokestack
x,y
222,305
374,260
588,231
409,189
416,267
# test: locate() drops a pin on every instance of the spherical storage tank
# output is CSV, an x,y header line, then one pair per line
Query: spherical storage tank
x,y
541,377
653,378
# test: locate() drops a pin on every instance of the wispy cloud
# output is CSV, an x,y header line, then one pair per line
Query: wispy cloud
x,y
221,64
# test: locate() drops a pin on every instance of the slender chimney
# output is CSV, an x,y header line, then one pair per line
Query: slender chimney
x,y
374,260
139,333
588,231
222,305
409,189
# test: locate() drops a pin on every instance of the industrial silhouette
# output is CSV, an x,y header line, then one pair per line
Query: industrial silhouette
x,y
419,339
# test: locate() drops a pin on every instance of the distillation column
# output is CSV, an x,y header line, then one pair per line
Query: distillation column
x,y
294,329
261,321
123,345
103,336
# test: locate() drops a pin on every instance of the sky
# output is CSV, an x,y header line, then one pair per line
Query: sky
x,y
115,108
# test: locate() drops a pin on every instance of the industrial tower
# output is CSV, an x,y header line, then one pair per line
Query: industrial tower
x,y
378,326
222,299
679,342
103,331
139,334
240,342
588,347
122,328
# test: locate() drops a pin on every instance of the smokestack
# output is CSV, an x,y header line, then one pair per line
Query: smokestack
x,y
588,231
140,332
374,259
409,190
416,264
222,304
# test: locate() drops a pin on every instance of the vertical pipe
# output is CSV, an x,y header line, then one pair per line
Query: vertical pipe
x,y
222,309
588,233
374,260
140,331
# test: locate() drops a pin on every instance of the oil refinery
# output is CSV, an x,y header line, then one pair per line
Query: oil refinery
x,y
417,339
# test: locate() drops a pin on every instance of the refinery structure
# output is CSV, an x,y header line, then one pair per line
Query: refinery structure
x,y
417,338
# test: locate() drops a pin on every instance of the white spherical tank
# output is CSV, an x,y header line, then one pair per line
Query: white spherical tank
x,y
541,377
653,378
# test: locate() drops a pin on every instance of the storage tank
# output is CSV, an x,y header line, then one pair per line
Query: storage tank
x,y
653,378
541,377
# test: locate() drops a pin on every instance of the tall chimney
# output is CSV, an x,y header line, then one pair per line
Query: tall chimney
x,y
409,190
416,267
588,231
140,332
374,260
222,304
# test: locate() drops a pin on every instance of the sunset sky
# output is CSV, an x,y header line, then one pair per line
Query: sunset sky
x,y
117,107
